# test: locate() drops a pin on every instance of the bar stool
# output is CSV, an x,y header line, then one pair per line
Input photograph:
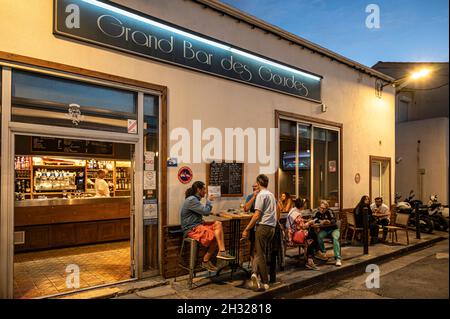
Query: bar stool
x,y
193,248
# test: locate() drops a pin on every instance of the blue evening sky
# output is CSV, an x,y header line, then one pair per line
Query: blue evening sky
x,y
410,30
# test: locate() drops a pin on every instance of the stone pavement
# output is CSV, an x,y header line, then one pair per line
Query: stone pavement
x,y
293,278
422,274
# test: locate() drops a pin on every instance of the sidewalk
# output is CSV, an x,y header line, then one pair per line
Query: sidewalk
x,y
294,277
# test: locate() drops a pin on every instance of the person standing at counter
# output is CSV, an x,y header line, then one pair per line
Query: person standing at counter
x,y
208,235
265,219
101,186
250,200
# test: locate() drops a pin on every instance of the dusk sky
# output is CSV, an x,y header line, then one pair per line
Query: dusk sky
x,y
410,30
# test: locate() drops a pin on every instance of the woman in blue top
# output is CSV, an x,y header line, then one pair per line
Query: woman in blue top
x,y
209,235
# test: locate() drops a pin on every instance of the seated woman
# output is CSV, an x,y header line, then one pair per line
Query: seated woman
x,y
285,203
208,235
358,212
297,233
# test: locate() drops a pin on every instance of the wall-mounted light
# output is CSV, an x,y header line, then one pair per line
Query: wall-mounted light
x,y
400,83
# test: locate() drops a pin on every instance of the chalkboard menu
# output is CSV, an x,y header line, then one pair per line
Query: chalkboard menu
x,y
64,145
229,176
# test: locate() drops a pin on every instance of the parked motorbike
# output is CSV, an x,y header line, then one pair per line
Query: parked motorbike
x,y
435,211
408,206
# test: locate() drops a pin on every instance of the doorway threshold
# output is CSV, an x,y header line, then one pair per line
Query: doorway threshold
x,y
111,290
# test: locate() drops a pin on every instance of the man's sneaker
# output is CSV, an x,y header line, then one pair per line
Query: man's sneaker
x,y
338,262
321,256
225,255
256,284
208,265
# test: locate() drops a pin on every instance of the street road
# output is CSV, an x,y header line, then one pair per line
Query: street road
x,y
423,274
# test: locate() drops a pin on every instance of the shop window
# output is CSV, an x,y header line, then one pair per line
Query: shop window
x,y
63,102
309,163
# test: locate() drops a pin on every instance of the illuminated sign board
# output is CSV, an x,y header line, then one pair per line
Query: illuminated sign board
x,y
123,29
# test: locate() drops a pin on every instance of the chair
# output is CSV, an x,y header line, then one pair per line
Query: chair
x,y
401,223
351,224
193,248
303,246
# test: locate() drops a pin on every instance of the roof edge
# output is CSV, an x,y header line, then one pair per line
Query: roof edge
x,y
252,20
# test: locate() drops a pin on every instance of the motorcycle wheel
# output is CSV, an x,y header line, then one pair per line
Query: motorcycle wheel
x,y
426,226
443,223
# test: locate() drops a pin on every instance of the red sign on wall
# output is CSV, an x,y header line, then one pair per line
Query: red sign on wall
x,y
185,175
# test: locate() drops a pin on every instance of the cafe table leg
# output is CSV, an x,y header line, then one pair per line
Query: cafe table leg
x,y
234,246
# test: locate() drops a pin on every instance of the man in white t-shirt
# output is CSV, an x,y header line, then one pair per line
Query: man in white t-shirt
x,y
101,186
265,218
381,213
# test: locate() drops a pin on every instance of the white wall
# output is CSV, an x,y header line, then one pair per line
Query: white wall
x,y
433,134
368,122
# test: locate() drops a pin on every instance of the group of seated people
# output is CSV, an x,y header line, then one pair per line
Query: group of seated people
x,y
378,216
322,224
301,227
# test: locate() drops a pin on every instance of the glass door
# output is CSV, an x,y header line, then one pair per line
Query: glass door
x,y
303,166
380,171
326,160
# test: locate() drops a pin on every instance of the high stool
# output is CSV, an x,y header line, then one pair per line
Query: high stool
x,y
193,248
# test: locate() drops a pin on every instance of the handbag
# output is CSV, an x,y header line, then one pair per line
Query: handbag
x,y
299,236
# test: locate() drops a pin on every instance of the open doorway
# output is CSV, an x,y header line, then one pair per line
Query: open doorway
x,y
73,226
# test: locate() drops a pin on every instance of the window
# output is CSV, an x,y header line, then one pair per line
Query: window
x,y
64,102
402,111
309,162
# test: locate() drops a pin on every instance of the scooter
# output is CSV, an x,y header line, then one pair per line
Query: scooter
x,y
435,210
408,206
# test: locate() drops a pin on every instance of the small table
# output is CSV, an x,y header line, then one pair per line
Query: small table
x,y
319,227
235,241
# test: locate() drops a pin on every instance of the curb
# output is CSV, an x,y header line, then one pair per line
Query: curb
x,y
342,272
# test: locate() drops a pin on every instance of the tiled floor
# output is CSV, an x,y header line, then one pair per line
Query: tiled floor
x,y
44,273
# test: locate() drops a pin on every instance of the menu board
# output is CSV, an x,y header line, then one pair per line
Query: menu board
x,y
63,145
229,176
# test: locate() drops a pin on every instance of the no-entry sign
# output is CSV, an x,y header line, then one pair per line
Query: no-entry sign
x,y
185,175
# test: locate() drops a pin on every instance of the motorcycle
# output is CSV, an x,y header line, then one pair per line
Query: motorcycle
x,y
408,206
435,211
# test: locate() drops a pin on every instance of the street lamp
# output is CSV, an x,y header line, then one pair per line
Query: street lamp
x,y
400,83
